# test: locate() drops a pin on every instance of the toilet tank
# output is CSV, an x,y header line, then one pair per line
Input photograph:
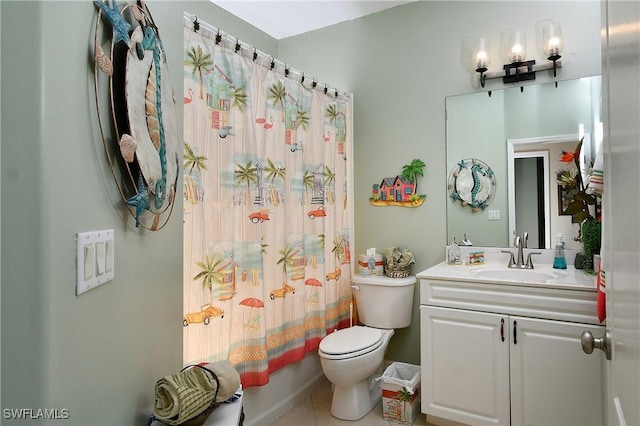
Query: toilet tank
x,y
384,302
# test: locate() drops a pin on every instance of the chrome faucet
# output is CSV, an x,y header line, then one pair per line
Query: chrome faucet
x,y
521,244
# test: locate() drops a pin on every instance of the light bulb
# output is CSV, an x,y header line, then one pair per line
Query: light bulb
x,y
516,53
481,59
550,35
513,46
554,46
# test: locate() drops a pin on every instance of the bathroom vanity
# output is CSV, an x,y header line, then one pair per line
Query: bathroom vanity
x,y
502,346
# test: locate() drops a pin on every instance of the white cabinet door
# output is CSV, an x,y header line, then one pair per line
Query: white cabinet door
x,y
465,365
553,382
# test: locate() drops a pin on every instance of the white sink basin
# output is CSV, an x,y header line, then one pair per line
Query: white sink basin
x,y
512,274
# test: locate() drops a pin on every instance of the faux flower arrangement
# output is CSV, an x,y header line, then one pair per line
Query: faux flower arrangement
x,y
577,190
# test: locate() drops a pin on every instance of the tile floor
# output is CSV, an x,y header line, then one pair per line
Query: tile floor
x,y
314,410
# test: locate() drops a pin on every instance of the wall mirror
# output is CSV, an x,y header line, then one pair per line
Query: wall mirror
x,y
521,136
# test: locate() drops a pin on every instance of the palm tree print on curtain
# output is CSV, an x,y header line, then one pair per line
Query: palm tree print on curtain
x,y
267,244
193,163
198,61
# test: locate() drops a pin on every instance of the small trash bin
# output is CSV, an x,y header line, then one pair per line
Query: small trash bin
x,y
401,392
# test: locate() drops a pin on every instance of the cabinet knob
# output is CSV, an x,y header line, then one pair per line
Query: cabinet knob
x,y
589,343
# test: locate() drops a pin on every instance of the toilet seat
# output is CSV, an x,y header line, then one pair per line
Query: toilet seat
x,y
350,342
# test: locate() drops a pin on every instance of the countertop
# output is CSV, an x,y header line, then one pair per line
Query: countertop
x,y
570,278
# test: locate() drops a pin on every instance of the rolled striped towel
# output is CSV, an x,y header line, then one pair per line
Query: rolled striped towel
x,y
596,182
185,395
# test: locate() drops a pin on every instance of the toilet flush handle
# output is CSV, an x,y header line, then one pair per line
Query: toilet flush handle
x,y
355,287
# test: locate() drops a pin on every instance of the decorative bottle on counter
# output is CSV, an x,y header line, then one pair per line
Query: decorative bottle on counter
x,y
454,254
559,261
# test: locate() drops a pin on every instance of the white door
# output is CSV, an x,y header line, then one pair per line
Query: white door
x,y
552,381
464,357
621,106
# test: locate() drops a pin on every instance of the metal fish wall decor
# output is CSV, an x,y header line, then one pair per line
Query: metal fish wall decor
x,y
132,81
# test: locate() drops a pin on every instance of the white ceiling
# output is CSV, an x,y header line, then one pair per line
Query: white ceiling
x,y
281,19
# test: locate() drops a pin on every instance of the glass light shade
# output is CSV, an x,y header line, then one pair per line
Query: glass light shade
x,y
481,55
513,45
551,39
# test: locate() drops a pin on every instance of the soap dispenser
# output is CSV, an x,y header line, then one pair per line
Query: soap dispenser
x,y
559,261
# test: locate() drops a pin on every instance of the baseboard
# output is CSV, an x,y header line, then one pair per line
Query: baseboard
x,y
438,421
289,401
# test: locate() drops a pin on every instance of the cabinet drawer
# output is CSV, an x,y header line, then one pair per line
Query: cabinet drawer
x,y
537,302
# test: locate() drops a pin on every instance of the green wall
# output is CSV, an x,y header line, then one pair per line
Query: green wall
x,y
99,355
23,293
476,129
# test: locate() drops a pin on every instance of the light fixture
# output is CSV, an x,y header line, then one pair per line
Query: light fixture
x,y
513,45
551,37
481,58
513,49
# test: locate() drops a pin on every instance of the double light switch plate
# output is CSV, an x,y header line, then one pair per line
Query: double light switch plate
x,y
95,254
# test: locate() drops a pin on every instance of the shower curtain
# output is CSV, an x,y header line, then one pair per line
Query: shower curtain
x,y
267,237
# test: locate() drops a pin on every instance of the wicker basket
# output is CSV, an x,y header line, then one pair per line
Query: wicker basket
x,y
398,273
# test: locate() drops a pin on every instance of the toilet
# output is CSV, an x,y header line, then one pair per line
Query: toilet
x,y
352,358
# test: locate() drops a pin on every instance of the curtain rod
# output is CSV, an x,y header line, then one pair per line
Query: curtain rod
x,y
218,36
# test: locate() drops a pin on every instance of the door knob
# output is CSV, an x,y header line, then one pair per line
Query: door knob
x,y
589,343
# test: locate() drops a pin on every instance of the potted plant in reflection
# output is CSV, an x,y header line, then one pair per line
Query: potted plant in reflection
x,y
581,203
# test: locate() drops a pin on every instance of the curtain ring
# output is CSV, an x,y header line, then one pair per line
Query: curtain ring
x,y
302,78
336,93
255,54
273,63
218,37
314,83
286,70
325,88
238,46
196,24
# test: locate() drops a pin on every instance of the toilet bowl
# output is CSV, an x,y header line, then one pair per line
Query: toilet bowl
x,y
352,358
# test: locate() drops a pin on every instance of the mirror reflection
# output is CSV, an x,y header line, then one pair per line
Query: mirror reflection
x,y
521,135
